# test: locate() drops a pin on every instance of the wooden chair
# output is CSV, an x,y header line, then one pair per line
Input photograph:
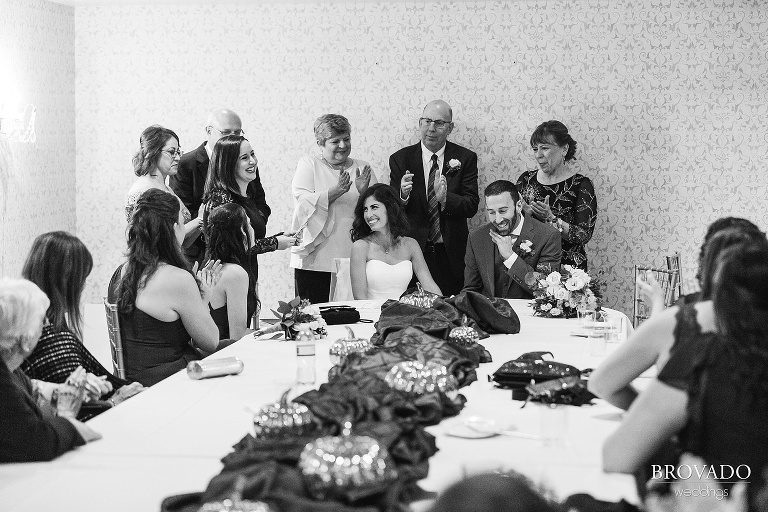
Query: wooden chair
x,y
673,263
667,279
115,340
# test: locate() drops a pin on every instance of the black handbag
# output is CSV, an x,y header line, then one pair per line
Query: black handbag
x,y
336,315
531,366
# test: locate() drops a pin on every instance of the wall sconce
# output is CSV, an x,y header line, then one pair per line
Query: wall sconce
x,y
18,126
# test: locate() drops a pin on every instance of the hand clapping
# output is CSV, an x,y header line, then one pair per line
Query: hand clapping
x,y
541,210
406,184
362,179
208,276
441,189
287,240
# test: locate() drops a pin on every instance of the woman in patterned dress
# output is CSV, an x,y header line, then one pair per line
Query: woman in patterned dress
x,y
557,195
157,158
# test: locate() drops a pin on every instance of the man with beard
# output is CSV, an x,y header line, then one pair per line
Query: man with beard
x,y
501,252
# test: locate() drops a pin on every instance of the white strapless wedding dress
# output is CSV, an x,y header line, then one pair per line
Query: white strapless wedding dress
x,y
387,281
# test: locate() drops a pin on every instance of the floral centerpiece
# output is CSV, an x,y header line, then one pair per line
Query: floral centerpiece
x,y
561,294
297,314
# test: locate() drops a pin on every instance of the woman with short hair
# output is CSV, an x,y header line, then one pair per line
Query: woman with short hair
x,y
324,203
162,305
30,428
557,195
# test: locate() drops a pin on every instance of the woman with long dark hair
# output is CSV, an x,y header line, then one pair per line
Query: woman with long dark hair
x,y
714,387
233,166
383,259
233,300
59,264
163,307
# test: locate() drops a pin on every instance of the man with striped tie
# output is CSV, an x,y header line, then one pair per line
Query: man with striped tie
x,y
438,186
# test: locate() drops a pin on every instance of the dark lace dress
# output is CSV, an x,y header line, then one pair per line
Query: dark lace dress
x,y
724,425
572,200
258,220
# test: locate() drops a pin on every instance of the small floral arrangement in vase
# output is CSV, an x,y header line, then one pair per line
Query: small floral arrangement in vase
x,y
297,314
561,294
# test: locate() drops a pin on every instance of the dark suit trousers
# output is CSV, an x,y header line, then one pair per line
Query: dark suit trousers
x,y
450,282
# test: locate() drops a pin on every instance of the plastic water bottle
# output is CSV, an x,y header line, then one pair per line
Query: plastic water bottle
x,y
305,357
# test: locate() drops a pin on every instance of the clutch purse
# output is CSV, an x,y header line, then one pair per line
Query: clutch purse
x,y
531,366
335,315
570,390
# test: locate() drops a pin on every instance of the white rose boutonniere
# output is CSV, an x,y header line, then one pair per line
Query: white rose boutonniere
x,y
526,247
453,165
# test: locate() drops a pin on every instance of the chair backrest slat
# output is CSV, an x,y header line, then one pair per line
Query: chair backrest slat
x,y
115,340
673,263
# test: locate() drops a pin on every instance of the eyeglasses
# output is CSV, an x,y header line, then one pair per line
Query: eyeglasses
x,y
425,121
174,152
224,133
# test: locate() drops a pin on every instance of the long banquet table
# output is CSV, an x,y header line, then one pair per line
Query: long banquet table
x,y
169,439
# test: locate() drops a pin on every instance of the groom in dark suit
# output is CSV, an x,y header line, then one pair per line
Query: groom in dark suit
x,y
501,252
189,181
438,186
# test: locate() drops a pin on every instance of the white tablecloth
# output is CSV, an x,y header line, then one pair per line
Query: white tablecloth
x,y
170,439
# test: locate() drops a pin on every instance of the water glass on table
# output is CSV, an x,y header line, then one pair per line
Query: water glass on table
x,y
586,319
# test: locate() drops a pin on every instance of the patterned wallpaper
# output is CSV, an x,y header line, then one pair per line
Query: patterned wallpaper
x,y
667,100
37,181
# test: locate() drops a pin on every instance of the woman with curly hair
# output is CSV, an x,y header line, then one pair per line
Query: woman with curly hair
x,y
557,195
162,304
157,158
233,300
233,166
59,264
713,390
384,260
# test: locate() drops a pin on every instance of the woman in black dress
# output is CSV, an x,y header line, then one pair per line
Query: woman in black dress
x,y
557,195
233,166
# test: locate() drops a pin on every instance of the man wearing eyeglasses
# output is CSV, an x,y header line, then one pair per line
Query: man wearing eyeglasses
x,y
189,181
438,186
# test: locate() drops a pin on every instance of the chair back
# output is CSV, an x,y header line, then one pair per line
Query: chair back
x,y
666,278
673,263
115,340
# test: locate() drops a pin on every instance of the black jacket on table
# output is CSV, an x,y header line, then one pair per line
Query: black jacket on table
x,y
460,203
189,185
27,433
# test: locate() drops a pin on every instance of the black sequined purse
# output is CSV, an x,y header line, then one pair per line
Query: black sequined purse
x,y
531,366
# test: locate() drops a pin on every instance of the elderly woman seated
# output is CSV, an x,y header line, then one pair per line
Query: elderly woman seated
x,y
28,431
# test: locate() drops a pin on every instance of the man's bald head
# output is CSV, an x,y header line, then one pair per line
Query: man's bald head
x,y
222,122
436,124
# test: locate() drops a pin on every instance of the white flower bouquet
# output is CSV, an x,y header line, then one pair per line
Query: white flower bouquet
x,y
561,294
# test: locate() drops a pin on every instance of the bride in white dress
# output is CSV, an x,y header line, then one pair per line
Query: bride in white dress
x,y
383,260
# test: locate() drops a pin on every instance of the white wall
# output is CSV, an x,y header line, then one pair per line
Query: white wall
x,y
668,104
37,181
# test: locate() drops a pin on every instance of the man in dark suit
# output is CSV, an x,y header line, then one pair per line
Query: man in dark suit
x,y
438,185
189,181
501,252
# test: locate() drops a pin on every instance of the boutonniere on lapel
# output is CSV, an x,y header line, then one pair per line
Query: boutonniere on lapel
x,y
453,166
526,247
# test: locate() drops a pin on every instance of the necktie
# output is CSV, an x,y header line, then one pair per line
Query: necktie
x,y
434,206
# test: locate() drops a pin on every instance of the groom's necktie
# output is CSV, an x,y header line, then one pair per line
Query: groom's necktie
x,y
434,206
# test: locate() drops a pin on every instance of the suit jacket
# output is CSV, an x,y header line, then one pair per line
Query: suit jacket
x,y
461,200
189,185
546,250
